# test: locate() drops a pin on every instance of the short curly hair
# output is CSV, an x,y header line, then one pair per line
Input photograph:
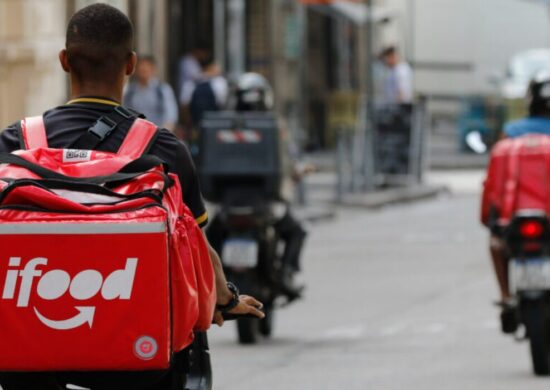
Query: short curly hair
x,y
99,41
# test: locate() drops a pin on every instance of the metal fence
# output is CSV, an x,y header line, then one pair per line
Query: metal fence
x,y
394,147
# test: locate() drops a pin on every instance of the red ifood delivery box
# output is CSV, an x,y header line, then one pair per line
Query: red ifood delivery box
x,y
85,296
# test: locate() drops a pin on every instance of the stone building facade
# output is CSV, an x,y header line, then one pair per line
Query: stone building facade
x,y
31,35
32,32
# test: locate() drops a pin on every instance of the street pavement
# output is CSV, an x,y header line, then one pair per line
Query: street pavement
x,y
398,298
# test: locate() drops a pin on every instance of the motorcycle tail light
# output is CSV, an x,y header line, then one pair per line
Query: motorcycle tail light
x,y
531,229
528,234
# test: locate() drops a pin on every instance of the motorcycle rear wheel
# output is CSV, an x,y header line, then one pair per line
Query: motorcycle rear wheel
x,y
266,324
247,330
537,322
172,381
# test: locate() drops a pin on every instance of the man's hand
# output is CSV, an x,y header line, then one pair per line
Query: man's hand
x,y
247,305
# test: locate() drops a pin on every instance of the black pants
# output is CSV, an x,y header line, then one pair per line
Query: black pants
x,y
293,234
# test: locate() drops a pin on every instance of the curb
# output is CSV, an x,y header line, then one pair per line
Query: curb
x,y
315,214
379,199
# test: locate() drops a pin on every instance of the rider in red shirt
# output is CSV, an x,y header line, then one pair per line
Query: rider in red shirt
x,y
538,122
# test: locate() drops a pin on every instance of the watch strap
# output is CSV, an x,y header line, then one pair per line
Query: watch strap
x,y
234,300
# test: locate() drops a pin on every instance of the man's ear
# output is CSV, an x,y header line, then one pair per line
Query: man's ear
x,y
64,60
131,64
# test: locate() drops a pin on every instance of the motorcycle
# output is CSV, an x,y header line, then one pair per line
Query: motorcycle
x,y
241,172
243,234
528,241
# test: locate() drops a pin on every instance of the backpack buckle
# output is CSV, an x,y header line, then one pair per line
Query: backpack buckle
x,y
126,114
103,127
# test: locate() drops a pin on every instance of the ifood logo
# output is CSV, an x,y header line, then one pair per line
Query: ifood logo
x,y
54,284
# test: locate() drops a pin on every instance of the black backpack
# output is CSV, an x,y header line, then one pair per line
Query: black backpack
x,y
203,99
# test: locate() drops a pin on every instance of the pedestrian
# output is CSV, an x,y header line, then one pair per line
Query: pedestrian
x,y
397,84
209,93
189,68
148,95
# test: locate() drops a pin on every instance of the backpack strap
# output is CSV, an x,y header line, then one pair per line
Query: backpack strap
x,y
139,139
160,98
33,133
103,127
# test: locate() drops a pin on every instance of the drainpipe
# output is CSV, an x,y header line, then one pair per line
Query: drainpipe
x,y
368,155
219,33
236,44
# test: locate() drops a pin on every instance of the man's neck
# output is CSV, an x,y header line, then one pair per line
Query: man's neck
x,y
113,92
144,83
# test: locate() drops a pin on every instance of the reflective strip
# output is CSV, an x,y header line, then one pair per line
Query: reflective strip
x,y
82,228
86,197
239,136
251,136
200,220
226,137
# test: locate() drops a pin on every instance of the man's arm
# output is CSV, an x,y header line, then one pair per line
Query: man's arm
x,y
179,159
404,77
247,304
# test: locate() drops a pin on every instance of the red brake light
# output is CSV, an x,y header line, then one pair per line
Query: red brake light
x,y
531,229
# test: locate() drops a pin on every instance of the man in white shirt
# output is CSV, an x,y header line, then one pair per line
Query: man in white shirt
x,y
209,93
398,85
189,68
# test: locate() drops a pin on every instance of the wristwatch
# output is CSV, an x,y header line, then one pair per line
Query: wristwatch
x,y
234,300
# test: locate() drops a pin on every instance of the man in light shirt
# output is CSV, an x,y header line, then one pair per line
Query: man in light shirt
x,y
189,67
151,97
209,93
398,85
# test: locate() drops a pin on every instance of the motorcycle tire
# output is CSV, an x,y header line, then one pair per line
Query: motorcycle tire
x,y
247,329
266,324
172,381
537,322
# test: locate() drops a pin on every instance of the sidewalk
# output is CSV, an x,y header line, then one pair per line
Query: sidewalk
x,y
458,182
389,196
321,195
451,171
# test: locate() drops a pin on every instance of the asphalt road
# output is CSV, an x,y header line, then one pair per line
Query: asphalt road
x,y
396,299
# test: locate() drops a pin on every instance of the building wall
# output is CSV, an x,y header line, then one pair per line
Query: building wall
x,y
151,31
31,35
258,45
32,32
120,4
456,45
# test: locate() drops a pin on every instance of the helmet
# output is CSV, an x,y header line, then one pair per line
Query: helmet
x,y
538,95
254,93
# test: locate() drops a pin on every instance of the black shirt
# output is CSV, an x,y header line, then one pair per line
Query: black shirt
x,y
65,124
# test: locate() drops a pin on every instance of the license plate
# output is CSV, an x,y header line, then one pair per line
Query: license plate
x,y
532,274
240,253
